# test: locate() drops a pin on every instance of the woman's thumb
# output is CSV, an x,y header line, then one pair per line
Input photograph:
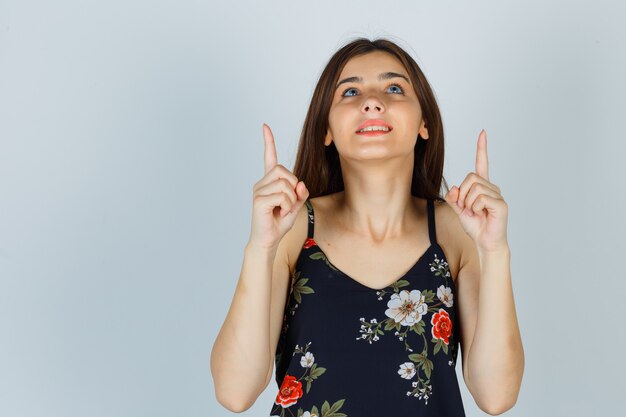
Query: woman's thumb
x,y
303,194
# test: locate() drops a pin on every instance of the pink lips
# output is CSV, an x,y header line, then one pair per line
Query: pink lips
x,y
373,122
372,133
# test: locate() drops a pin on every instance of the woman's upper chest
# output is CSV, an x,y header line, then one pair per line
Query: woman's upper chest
x,y
377,265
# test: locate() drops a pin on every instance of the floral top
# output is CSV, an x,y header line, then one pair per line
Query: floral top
x,y
348,350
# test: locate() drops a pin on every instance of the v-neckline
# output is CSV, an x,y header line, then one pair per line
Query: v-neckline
x,y
359,283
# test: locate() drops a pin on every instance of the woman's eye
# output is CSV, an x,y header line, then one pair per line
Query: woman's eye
x,y
344,93
396,85
389,86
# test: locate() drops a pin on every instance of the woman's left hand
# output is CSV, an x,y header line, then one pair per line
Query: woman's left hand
x,y
481,209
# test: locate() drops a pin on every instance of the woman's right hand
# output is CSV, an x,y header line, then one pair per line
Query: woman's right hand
x,y
277,198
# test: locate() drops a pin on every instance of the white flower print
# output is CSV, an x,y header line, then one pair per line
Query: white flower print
x,y
445,295
367,332
406,308
409,308
424,392
407,370
307,360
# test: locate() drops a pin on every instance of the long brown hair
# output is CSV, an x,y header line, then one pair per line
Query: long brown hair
x,y
318,166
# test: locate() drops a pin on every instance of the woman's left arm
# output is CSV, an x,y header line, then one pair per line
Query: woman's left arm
x,y
493,355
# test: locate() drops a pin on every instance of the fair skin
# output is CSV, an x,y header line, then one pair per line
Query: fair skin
x,y
376,212
376,220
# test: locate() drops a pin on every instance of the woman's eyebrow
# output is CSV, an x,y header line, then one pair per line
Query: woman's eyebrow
x,y
383,76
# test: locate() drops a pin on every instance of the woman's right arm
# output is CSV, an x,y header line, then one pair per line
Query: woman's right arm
x,y
239,359
243,349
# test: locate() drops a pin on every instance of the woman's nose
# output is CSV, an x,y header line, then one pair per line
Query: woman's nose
x,y
372,103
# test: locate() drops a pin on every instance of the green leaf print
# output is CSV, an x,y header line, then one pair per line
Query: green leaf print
x,y
418,327
328,411
312,372
320,255
427,366
400,283
299,288
317,371
437,345
429,296
417,358
390,324
336,406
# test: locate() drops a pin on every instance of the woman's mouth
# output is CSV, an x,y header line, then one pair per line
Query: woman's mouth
x,y
375,131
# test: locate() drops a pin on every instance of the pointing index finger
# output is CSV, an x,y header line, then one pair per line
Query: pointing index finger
x,y
270,148
482,162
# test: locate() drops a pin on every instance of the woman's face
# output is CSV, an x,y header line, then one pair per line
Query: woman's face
x,y
390,100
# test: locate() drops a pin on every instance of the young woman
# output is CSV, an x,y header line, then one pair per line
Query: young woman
x,y
359,280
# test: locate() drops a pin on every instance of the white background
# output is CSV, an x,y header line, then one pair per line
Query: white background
x,y
130,139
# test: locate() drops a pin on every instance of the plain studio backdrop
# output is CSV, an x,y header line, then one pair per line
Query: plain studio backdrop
x,y
130,139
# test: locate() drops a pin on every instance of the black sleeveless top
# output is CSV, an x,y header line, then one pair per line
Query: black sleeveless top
x,y
348,350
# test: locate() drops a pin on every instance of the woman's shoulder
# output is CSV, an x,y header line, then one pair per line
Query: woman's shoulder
x,y
298,234
450,234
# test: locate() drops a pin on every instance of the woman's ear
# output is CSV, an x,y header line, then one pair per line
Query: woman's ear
x,y
328,139
423,132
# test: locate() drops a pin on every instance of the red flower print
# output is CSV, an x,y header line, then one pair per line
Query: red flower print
x,y
290,391
308,243
442,326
